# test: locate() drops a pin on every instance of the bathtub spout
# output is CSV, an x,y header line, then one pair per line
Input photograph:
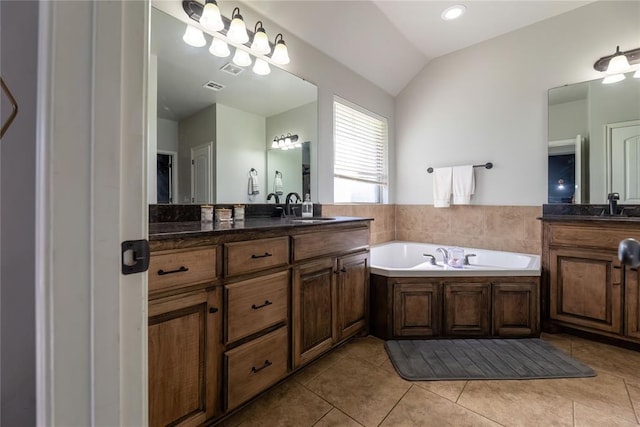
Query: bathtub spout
x,y
432,260
445,255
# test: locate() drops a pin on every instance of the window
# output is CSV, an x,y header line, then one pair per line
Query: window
x,y
360,157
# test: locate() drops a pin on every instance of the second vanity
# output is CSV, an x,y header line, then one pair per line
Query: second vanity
x,y
234,309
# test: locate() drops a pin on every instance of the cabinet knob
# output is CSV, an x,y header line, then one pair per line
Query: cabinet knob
x,y
213,310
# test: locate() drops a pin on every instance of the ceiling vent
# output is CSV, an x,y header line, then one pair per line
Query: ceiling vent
x,y
213,86
232,69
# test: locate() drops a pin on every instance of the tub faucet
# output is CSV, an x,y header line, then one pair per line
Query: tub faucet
x,y
445,255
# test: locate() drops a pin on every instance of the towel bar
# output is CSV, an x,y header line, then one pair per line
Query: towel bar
x,y
487,165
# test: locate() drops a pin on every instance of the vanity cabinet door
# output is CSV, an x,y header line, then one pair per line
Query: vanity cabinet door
x,y
184,361
353,293
314,317
466,309
632,297
585,289
416,309
515,309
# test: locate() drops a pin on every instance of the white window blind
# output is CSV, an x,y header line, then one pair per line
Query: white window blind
x,y
360,173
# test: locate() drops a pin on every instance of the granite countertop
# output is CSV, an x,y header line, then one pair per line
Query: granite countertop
x,y
570,212
172,230
590,218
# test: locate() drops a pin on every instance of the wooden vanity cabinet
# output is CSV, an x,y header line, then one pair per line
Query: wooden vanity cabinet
x,y
417,308
632,297
184,348
515,308
353,293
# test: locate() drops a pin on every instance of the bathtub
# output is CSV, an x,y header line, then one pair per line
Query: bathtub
x,y
406,259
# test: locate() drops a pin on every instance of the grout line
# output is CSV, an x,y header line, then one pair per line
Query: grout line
x,y
396,404
635,412
461,391
573,412
323,415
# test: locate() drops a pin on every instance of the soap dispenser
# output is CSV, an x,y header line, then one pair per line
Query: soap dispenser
x,y
307,206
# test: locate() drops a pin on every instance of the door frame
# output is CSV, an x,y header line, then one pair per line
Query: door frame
x,y
209,146
608,155
91,321
174,172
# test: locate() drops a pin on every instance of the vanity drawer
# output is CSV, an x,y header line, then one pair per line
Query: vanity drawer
x,y
254,255
317,244
595,237
172,269
255,304
256,365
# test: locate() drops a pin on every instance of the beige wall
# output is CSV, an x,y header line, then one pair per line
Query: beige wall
x,y
506,228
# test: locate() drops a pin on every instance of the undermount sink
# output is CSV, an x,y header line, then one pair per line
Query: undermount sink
x,y
310,220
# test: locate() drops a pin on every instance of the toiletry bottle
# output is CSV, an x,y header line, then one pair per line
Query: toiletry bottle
x,y
307,206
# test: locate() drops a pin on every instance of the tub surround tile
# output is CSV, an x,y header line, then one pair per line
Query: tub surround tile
x,y
504,221
419,407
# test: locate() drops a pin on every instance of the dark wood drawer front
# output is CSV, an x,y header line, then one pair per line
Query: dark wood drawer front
x,y
312,245
256,365
255,304
174,269
590,237
255,255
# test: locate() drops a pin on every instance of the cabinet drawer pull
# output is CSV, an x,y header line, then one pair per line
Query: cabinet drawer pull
x,y
267,363
266,254
180,270
258,307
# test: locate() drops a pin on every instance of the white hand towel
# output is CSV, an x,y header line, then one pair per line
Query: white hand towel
x,y
464,184
277,184
442,187
254,186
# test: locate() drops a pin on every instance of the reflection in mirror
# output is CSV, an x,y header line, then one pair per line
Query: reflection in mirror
x,y
594,142
216,121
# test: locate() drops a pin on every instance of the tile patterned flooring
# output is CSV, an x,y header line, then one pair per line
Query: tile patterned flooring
x,y
356,385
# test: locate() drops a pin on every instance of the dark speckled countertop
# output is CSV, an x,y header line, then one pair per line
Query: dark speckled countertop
x,y
590,213
173,230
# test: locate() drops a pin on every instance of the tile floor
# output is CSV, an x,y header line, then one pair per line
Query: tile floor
x,y
356,385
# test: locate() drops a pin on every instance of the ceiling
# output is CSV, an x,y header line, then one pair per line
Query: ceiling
x,y
389,41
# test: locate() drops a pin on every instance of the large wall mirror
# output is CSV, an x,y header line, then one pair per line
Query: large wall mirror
x,y
594,142
216,122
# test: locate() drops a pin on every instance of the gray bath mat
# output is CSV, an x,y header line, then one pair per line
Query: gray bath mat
x,y
486,359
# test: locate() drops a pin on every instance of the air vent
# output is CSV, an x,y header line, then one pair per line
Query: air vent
x,y
232,69
214,86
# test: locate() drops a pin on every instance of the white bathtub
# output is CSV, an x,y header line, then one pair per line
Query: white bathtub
x,y
406,259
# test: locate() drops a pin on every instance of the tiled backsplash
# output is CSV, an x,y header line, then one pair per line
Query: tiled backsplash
x,y
508,228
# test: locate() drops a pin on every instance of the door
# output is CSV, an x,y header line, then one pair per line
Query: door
x,y
515,309
201,188
416,309
164,181
466,309
632,298
623,145
314,314
353,293
585,289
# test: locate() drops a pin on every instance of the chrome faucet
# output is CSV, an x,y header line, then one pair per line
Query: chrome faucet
x,y
270,195
613,203
287,206
445,255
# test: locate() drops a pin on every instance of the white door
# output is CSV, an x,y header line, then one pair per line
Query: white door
x,y
623,143
201,174
91,320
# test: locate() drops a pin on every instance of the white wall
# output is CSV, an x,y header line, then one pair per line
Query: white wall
x,y
489,103
19,21
568,119
240,141
167,135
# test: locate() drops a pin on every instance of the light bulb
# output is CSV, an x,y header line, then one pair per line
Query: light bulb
x,y
287,140
453,12
237,30
636,75
260,42
211,18
618,64
194,37
261,67
275,143
613,79
280,52
241,58
219,48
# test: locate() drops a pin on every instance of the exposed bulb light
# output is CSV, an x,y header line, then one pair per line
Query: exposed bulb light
x,y
237,29
636,75
260,42
194,37
261,67
613,79
280,53
453,12
619,63
275,143
241,58
219,48
211,18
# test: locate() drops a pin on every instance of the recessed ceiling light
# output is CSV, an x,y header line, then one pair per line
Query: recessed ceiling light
x,y
453,12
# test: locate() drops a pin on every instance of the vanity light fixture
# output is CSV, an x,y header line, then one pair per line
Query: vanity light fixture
x,y
261,67
211,18
237,29
260,42
241,58
453,12
617,64
615,78
219,48
280,52
194,37
288,142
